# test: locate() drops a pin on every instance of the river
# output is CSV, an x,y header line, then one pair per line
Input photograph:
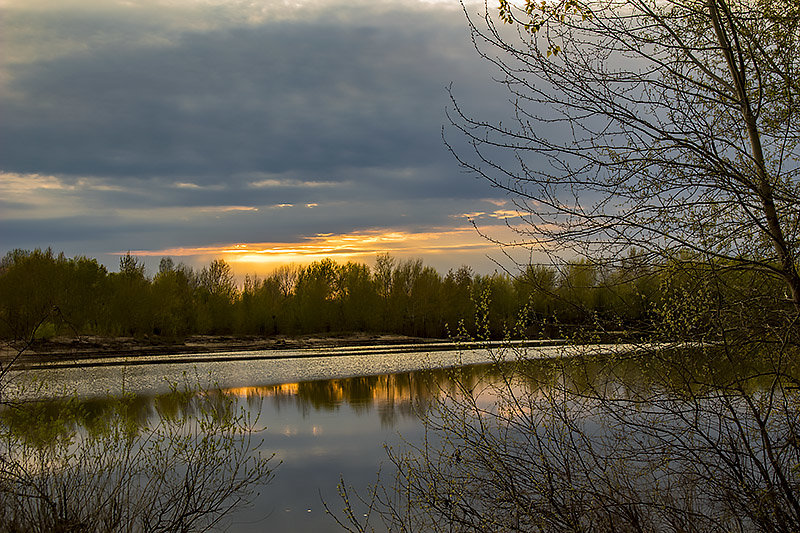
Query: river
x,y
326,416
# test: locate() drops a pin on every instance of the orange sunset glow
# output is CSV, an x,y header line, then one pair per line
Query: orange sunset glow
x,y
357,246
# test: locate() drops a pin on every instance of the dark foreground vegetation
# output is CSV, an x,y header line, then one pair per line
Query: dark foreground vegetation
x,y
401,297
107,465
43,294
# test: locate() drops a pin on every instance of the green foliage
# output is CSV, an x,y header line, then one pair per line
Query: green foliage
x,y
43,294
130,299
173,301
316,292
216,295
37,286
109,465
655,438
46,330
666,130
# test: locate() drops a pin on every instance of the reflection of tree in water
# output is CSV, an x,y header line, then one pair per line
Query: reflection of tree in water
x,y
43,421
683,439
393,396
178,462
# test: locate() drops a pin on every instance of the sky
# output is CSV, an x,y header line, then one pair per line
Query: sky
x,y
257,131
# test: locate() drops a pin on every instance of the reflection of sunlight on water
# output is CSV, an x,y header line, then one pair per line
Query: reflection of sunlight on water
x,y
285,389
320,430
363,391
249,371
324,429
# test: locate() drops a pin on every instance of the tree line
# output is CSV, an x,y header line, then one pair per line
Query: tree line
x,y
48,294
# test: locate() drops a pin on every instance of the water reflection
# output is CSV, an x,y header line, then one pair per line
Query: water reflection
x,y
325,429
256,368
320,430
391,396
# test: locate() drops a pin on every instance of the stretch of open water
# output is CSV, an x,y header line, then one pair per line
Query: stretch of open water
x,y
156,374
326,416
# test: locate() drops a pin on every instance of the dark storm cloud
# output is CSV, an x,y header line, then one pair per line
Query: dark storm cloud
x,y
314,97
186,125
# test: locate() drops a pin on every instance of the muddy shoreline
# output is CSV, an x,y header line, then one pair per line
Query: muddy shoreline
x,y
90,347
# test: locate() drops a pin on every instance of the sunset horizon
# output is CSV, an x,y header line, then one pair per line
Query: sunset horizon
x,y
261,134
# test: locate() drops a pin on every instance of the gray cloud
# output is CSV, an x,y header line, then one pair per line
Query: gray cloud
x,y
196,110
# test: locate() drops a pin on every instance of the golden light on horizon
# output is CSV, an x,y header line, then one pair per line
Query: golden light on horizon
x,y
346,246
442,247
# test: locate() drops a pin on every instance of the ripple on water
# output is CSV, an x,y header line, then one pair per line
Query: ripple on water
x,y
249,369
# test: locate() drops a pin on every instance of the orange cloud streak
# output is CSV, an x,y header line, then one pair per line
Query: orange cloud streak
x,y
346,246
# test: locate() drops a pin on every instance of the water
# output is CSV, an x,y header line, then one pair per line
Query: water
x,y
324,417
322,437
244,369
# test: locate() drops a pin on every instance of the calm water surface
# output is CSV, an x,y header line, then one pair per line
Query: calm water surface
x,y
259,368
326,430
324,418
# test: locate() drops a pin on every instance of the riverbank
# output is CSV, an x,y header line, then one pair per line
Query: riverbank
x,y
84,353
86,348
246,370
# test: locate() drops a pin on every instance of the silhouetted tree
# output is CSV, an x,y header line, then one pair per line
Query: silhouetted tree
x,y
130,304
650,142
316,289
668,127
216,294
173,292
